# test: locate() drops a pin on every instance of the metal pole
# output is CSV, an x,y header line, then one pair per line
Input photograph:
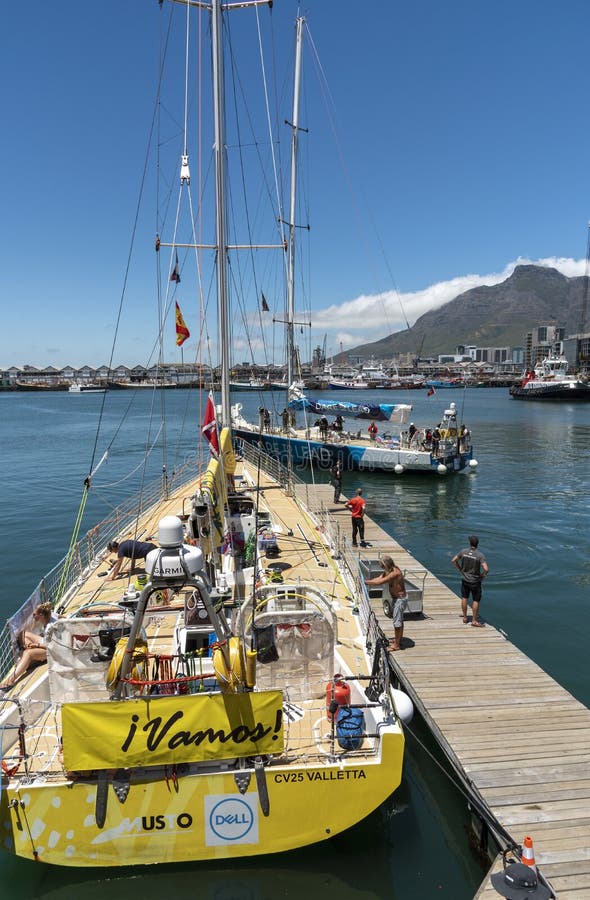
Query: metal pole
x,y
220,180
293,211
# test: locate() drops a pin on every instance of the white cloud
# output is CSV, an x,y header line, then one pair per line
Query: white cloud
x,y
368,317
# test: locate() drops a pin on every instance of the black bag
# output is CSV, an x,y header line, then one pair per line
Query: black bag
x,y
264,644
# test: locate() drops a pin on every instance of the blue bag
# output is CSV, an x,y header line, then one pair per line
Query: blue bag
x,y
350,727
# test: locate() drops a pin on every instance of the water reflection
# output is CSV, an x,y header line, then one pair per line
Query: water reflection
x,y
226,883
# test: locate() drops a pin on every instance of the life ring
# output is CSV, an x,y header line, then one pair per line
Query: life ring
x,y
138,667
232,675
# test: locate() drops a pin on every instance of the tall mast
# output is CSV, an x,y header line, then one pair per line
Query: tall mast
x,y
221,227
292,213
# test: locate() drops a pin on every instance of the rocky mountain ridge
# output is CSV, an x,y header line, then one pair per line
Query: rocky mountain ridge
x,y
498,315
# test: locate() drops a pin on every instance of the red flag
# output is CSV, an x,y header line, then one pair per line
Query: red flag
x,y
175,274
430,392
182,332
209,428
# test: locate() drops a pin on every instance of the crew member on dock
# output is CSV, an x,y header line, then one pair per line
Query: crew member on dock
x,y
356,505
473,567
393,577
128,550
336,473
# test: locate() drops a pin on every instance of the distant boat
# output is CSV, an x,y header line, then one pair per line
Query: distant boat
x,y
550,381
445,383
353,384
86,389
254,384
141,385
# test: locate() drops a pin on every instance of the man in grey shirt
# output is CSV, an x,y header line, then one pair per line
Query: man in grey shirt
x,y
473,567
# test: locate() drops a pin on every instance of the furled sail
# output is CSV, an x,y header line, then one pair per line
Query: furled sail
x,y
380,412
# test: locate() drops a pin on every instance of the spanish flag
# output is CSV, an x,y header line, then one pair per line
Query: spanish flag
x,y
182,332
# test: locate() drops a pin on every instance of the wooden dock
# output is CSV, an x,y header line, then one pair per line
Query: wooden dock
x,y
518,741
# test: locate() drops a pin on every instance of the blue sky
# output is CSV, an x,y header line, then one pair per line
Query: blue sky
x,y
456,147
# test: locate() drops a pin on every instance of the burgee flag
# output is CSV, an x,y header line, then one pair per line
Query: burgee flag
x,y
209,428
182,332
264,304
175,273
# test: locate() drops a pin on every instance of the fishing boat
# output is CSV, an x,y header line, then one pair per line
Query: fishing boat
x,y
216,687
549,381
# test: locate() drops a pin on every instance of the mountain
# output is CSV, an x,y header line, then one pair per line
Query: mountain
x,y
494,316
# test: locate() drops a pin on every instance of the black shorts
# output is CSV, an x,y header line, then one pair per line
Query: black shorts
x,y
473,589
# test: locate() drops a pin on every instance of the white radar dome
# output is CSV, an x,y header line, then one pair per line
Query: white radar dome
x,y
170,533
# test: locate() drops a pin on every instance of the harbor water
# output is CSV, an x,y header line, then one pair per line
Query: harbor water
x,y
528,504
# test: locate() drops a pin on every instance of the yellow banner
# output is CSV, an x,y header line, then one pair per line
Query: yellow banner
x,y
212,485
154,731
226,452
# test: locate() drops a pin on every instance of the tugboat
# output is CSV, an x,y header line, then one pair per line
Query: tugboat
x,y
549,381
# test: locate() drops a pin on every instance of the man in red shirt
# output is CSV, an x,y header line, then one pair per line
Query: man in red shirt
x,y
356,505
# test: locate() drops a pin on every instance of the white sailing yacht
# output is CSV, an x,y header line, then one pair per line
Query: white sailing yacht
x,y
229,698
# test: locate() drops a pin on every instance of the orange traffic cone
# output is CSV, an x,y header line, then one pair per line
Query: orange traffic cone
x,y
528,854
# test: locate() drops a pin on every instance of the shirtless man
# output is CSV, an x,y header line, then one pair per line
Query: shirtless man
x,y
392,576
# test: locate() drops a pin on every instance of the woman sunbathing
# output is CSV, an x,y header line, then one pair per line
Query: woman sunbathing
x,y
33,645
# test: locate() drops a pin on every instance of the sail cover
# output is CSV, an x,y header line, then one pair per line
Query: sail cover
x,y
380,412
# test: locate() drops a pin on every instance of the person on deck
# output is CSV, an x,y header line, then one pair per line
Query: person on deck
x,y
411,433
357,505
435,441
372,429
393,577
473,567
464,435
32,644
323,427
132,550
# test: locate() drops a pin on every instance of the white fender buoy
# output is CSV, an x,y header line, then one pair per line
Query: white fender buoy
x,y
441,469
473,464
398,469
403,706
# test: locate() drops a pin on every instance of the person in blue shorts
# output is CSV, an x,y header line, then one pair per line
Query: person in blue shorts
x,y
132,550
473,567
